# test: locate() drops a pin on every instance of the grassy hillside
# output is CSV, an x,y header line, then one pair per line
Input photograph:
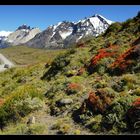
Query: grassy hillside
x,y
93,88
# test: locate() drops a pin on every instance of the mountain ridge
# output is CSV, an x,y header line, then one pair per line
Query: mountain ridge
x,y
63,34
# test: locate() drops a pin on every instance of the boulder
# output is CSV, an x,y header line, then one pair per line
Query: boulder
x,y
65,102
31,120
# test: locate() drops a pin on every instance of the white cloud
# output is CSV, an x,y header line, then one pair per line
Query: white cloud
x,y
5,33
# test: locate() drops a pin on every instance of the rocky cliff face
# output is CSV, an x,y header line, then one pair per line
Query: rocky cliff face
x,y
23,34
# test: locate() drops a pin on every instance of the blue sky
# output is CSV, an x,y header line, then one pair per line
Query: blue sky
x,y
44,15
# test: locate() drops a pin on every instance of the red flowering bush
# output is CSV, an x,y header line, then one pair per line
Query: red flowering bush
x,y
136,103
107,54
73,88
126,60
98,101
103,53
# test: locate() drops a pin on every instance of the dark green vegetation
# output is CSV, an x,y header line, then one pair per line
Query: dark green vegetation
x,y
96,84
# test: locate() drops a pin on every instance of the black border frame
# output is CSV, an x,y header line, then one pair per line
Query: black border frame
x,y
69,2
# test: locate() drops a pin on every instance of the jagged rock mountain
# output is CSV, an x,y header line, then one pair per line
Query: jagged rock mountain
x,y
53,36
66,33
23,34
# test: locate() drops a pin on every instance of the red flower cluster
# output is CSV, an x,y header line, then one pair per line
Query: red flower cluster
x,y
73,86
92,99
125,59
106,52
136,103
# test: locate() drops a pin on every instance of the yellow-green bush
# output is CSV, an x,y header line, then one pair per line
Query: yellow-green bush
x,y
23,129
20,103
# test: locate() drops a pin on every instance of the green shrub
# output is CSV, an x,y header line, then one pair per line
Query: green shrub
x,y
136,92
35,129
115,116
71,73
94,124
115,27
126,24
57,65
62,126
119,85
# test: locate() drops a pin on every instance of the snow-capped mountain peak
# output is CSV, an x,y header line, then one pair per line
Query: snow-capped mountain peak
x,y
64,33
101,17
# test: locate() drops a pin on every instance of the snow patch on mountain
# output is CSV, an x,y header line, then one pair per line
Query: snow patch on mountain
x,y
55,26
95,22
65,34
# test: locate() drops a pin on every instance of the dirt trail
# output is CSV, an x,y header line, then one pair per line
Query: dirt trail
x,y
43,117
4,61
